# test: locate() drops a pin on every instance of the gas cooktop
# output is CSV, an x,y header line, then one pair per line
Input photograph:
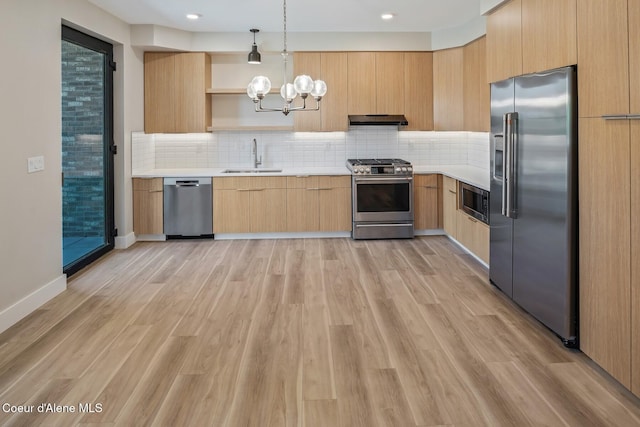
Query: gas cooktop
x,y
379,167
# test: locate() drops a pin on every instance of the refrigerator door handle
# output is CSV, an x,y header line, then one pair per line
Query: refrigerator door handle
x,y
509,183
498,157
513,185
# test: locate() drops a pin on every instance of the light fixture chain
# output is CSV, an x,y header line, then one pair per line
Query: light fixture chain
x,y
284,12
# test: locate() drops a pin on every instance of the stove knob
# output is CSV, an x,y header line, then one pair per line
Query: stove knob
x,y
404,169
398,169
410,169
368,170
361,169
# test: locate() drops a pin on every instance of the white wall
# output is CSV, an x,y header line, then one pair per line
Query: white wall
x,y
30,87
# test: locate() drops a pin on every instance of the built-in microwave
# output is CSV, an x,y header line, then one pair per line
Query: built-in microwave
x,y
474,201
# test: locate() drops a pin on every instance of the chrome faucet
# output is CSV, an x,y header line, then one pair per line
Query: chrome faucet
x,y
254,154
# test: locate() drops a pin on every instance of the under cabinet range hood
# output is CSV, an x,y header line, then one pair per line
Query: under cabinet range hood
x,y
377,120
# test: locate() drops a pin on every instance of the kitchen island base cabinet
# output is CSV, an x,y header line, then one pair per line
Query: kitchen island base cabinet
x,y
449,205
147,206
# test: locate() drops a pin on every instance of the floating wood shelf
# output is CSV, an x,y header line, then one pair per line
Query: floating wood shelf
x,y
227,91
249,128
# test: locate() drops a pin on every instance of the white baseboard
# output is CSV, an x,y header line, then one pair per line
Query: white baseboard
x,y
123,242
13,314
434,232
150,238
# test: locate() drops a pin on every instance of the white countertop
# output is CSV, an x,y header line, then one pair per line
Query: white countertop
x,y
469,174
194,172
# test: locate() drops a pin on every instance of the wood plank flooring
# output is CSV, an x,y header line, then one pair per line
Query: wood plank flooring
x,y
305,332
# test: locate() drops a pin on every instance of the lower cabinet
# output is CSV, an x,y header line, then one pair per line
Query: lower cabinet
x,y
427,206
147,206
281,204
449,206
249,204
473,235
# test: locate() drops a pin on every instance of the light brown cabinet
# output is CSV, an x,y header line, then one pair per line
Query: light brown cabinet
x,y
418,90
427,201
332,68
318,203
448,92
175,98
473,235
526,36
548,34
476,89
375,82
449,206
147,206
608,58
504,42
249,204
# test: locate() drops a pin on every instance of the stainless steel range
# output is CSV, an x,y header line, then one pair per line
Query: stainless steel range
x,y
382,198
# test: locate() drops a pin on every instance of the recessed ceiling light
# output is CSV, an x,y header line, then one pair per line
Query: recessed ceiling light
x,y
387,16
194,16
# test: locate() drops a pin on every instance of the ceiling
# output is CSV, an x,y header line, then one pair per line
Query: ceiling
x,y
302,15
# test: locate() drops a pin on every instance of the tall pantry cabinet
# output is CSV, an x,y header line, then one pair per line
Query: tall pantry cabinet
x,y
609,158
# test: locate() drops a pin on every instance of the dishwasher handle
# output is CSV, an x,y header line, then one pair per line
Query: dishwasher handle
x,y
190,183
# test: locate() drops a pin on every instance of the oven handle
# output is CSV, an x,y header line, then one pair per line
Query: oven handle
x,y
384,180
384,224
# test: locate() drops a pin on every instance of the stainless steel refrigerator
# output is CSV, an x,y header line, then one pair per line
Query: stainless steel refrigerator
x,y
533,203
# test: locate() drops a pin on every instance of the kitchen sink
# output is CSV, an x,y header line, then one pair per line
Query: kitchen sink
x,y
252,171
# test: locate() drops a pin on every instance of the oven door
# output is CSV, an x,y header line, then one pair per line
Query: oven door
x,y
382,199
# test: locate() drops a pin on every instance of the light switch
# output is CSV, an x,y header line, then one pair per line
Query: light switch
x,y
35,164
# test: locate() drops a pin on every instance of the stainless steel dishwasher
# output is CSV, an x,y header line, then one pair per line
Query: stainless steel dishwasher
x,y
188,208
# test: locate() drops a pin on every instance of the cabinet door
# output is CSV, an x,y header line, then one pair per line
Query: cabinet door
x,y
604,194
302,203
448,102
634,56
334,202
307,63
449,205
418,90
334,103
361,82
269,210
504,42
548,34
425,189
473,235
159,92
231,211
476,89
635,251
147,206
191,79
389,83
603,55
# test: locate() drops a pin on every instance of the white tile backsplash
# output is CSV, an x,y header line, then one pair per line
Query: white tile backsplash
x,y
307,149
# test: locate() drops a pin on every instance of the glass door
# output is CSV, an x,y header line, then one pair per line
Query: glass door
x,y
87,149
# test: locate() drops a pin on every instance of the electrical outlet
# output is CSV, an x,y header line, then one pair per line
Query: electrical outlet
x,y
35,164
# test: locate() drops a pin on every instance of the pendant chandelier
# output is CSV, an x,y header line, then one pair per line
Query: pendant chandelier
x,y
302,85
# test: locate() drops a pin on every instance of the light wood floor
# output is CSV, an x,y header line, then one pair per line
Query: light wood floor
x,y
314,332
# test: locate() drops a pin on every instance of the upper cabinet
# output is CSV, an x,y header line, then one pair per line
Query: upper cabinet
x,y
361,82
389,83
476,88
608,54
527,36
175,97
504,42
332,68
548,34
418,90
448,102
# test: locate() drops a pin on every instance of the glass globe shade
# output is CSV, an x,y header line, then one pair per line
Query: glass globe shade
x,y
261,84
319,89
288,92
303,84
251,91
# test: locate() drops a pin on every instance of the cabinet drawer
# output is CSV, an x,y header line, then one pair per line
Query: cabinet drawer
x,y
147,184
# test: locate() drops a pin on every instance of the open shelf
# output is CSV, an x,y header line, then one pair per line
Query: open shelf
x,y
227,91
